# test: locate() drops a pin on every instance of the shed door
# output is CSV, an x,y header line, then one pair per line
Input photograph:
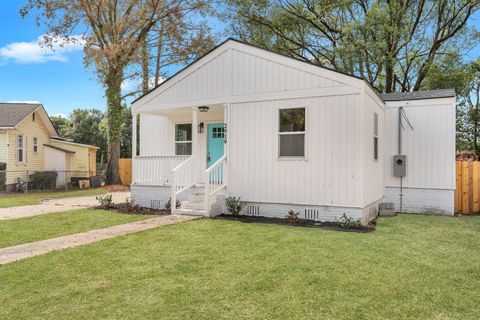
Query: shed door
x,y
55,160
216,134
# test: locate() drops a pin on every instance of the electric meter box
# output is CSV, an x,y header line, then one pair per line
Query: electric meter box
x,y
400,165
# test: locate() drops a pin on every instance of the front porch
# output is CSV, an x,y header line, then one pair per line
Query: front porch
x,y
182,149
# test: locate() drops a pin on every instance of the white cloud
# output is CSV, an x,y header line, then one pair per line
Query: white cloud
x,y
60,115
25,101
34,52
133,84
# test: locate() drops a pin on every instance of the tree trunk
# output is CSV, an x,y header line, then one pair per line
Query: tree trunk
x,y
113,84
145,65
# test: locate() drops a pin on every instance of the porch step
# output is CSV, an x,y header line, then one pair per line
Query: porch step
x,y
189,212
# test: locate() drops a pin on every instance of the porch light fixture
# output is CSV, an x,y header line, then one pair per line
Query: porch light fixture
x,y
200,128
203,109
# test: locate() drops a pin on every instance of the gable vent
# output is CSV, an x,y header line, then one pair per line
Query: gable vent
x,y
155,204
312,214
253,210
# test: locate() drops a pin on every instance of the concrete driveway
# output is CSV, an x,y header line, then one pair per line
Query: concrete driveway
x,y
57,205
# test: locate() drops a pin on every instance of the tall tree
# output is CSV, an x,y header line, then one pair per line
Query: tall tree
x,y
390,43
114,31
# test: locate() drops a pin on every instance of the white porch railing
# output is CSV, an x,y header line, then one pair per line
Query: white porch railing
x,y
215,179
155,170
186,175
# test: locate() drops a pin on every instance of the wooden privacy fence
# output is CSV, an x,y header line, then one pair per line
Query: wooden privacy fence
x,y
467,194
125,170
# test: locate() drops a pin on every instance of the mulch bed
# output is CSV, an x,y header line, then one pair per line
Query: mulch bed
x,y
127,208
298,223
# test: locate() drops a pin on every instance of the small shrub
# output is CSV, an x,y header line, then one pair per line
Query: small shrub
x,y
105,201
348,222
21,185
168,205
132,207
46,180
3,175
234,205
292,217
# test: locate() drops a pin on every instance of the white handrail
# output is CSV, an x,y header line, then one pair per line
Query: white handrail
x,y
184,176
215,178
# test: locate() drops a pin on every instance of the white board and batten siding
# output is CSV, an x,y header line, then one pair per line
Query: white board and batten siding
x,y
237,73
329,175
430,149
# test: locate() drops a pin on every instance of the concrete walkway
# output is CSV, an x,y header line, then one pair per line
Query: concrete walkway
x,y
11,254
58,205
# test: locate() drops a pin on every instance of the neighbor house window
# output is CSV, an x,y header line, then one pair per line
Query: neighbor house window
x,y
292,132
21,149
375,136
33,116
183,139
35,145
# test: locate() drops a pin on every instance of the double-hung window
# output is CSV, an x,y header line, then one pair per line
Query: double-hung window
x,y
291,133
35,144
375,136
21,149
183,139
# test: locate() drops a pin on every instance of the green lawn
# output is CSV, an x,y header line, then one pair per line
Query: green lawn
x,y
17,231
34,197
411,267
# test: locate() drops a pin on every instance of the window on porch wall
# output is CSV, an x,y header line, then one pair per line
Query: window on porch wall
x,y
183,139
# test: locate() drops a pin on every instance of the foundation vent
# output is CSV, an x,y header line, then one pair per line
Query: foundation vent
x,y
155,204
311,214
253,210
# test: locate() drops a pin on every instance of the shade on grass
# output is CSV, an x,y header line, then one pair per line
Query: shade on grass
x,y
18,231
411,267
34,197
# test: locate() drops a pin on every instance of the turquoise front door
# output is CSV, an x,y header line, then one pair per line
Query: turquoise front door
x,y
216,135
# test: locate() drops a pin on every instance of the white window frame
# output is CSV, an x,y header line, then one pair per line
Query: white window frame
x,y
375,137
23,149
182,142
280,157
35,144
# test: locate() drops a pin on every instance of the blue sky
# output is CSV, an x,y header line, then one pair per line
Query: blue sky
x,y
58,80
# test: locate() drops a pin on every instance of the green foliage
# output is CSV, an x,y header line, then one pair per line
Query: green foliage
x,y
348,222
391,44
45,180
168,204
105,201
234,205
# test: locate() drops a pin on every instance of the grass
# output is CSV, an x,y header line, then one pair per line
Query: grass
x,y
18,231
411,267
34,197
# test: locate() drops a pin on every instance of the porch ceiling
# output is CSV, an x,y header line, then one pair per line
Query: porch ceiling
x,y
215,112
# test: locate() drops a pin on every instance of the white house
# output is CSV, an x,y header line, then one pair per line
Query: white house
x,y
288,135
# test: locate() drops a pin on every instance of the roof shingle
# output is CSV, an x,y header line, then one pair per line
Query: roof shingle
x,y
13,113
418,95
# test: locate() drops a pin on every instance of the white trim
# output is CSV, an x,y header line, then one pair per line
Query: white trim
x,y
75,143
304,133
268,96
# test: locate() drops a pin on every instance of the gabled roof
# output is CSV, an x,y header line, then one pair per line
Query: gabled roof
x,y
12,114
418,95
231,41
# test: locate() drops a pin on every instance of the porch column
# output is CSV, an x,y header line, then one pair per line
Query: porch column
x,y
134,144
134,135
194,131
226,121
